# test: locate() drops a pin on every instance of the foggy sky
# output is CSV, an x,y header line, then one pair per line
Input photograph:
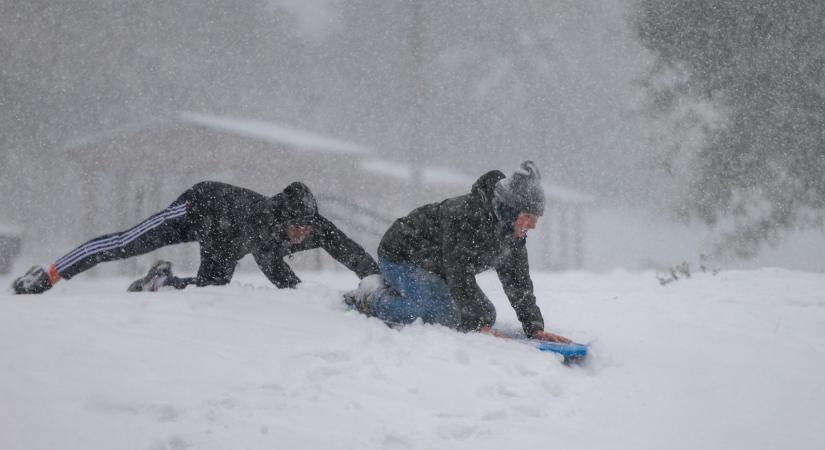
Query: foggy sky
x,y
468,84
490,84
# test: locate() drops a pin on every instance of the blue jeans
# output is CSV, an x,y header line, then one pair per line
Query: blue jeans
x,y
424,295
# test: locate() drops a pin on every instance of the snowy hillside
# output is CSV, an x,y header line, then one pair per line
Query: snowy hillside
x,y
733,361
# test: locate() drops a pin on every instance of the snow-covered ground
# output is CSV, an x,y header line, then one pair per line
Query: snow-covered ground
x,y
732,361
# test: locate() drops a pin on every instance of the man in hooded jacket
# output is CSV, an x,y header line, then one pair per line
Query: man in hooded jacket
x,y
229,222
429,258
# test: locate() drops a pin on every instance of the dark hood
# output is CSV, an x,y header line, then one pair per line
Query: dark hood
x,y
297,203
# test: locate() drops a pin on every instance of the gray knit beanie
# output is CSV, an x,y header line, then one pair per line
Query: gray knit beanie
x,y
520,193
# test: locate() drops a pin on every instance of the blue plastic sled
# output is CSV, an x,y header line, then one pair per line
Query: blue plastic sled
x,y
572,352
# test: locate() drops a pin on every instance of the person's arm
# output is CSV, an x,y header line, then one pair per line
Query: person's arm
x,y
467,296
276,269
514,274
464,289
548,336
541,335
342,248
496,333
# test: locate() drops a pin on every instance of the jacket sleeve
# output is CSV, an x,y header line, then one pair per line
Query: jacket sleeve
x,y
276,269
514,273
461,281
343,249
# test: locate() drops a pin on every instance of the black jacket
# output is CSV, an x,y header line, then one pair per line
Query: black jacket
x,y
230,222
459,238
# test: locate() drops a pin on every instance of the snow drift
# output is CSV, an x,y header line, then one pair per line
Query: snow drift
x,y
730,361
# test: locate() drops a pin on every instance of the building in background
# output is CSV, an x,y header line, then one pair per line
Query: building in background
x,y
128,173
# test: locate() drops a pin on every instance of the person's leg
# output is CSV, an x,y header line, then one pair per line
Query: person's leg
x,y
212,271
164,228
167,227
437,303
418,294
156,278
392,305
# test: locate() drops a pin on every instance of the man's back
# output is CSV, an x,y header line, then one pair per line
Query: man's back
x,y
230,221
462,227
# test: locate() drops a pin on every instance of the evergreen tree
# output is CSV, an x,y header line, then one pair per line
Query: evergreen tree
x,y
761,64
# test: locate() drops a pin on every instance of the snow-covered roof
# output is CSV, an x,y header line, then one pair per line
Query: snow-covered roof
x,y
275,133
446,176
404,171
303,140
294,138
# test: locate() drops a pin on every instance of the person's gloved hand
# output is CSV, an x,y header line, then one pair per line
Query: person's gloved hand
x,y
548,336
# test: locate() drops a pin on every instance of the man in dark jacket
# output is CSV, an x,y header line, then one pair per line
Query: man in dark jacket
x,y
228,222
429,258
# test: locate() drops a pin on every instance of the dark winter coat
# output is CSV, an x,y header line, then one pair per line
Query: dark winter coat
x,y
231,222
459,238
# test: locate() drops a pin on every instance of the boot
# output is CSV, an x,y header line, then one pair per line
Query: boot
x,y
34,281
156,278
361,297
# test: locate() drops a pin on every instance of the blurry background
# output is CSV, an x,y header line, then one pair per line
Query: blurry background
x,y
664,130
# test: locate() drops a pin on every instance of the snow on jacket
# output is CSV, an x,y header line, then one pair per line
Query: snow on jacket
x,y
231,222
459,238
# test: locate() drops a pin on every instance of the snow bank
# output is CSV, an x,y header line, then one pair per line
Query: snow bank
x,y
731,361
